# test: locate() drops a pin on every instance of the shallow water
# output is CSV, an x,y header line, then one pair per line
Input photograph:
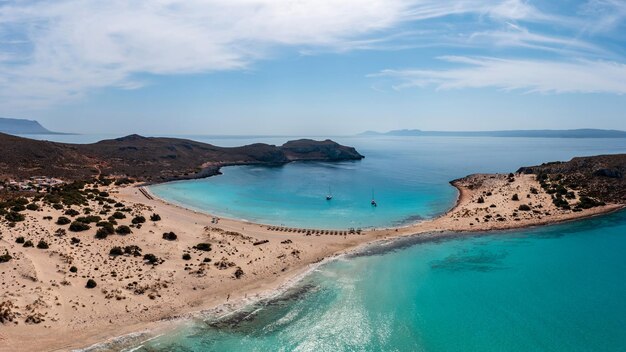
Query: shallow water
x,y
409,178
558,288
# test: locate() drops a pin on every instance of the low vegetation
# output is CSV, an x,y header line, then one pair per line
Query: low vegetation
x,y
62,220
123,230
5,257
14,216
42,244
77,226
203,247
170,236
138,219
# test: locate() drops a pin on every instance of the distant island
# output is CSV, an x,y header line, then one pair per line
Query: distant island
x,y
23,126
576,133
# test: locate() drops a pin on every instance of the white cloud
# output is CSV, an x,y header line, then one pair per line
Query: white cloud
x,y
515,35
68,47
580,76
55,51
603,15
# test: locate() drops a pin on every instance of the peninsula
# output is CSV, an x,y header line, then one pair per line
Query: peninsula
x,y
152,159
96,255
22,126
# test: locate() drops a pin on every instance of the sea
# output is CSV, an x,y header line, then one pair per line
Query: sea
x,y
554,288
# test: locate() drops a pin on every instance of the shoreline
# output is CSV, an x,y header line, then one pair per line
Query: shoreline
x,y
193,296
288,283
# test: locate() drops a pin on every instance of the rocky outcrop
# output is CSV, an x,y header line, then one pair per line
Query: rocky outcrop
x,y
308,149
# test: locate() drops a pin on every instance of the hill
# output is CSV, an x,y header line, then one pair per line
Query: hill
x,y
601,177
577,133
21,126
151,159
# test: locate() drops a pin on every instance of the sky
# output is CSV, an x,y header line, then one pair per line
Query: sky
x,y
313,67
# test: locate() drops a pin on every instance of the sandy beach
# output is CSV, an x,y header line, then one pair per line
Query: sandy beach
x,y
210,263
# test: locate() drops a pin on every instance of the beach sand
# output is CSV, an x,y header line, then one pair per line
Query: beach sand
x,y
247,261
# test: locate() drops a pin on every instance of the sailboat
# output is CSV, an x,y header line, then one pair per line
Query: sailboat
x,y
329,196
373,202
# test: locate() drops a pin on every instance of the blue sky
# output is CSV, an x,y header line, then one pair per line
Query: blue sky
x,y
313,67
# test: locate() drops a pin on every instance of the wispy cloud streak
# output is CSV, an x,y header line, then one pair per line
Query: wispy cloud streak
x,y
581,76
57,51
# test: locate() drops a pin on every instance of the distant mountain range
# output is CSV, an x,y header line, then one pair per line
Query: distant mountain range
x,y
21,126
578,133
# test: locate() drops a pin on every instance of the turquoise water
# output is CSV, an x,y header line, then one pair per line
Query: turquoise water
x,y
558,288
409,177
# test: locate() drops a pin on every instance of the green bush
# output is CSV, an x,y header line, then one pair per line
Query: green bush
x,y
155,217
151,258
42,244
587,203
186,256
238,273
133,250
102,234
170,236
62,220
123,230
89,219
515,197
5,257
138,219
561,190
524,207
560,202
71,212
115,251
19,201
91,283
20,239
123,181
32,206
203,247
14,217
73,269
106,226
18,208
78,226
28,243
118,215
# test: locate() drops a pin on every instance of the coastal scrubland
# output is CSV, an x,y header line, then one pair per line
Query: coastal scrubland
x,y
88,260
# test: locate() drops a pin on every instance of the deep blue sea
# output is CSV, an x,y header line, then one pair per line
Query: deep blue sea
x,y
555,288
